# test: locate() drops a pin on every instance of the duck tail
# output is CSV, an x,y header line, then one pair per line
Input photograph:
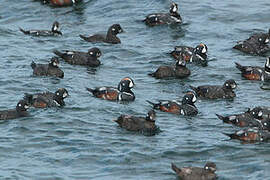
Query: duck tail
x,y
25,32
232,136
175,168
33,65
58,53
155,106
151,74
239,66
83,37
224,119
90,90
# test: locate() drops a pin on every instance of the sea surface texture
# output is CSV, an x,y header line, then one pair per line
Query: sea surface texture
x,y
80,141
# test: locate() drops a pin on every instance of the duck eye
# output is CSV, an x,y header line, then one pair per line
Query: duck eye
x,y
20,105
260,39
113,29
57,94
91,53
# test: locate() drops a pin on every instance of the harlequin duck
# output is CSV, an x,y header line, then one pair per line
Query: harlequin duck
x,y
251,118
50,69
256,44
186,108
20,111
121,93
215,92
146,125
196,173
54,31
250,135
47,99
173,17
178,71
81,58
189,54
255,72
109,38
61,3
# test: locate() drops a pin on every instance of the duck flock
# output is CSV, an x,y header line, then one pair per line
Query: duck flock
x,y
255,121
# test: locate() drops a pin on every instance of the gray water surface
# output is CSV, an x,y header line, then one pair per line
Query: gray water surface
x,y
80,141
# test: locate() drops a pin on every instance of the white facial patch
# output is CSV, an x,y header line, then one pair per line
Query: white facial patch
x,y
113,29
266,40
65,95
260,113
55,64
26,107
73,1
174,9
20,105
206,167
204,50
233,86
131,84
194,99
91,53
57,94
55,28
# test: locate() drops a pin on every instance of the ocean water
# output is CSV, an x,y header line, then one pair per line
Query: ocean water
x,y
80,141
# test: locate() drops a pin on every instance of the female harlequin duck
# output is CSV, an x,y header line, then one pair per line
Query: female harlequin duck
x,y
61,3
196,173
216,92
186,108
54,31
255,72
145,125
109,38
256,44
173,17
51,69
47,99
250,135
178,71
81,58
122,93
251,118
20,111
189,54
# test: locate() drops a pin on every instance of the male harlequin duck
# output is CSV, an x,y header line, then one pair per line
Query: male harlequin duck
x,y
186,108
109,38
196,173
190,54
20,111
142,124
178,71
53,32
255,72
47,99
61,3
81,58
173,17
251,118
256,44
51,69
121,93
216,92
250,135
